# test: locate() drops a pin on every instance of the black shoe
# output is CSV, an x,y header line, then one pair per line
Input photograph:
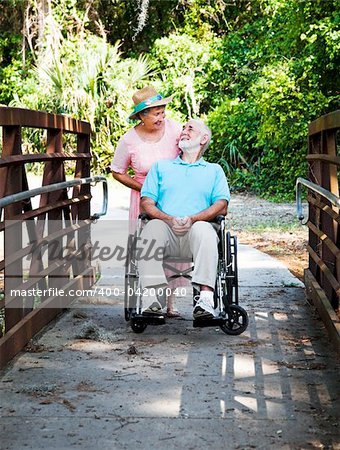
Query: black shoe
x,y
200,313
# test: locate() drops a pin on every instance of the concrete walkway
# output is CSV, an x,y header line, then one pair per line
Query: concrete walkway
x,y
89,382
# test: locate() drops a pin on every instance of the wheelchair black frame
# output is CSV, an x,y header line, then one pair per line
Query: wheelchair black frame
x,y
232,319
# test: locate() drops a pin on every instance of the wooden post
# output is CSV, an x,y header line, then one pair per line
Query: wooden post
x,y
314,145
13,272
54,173
331,183
83,210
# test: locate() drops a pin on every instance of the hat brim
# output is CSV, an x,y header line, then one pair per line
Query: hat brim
x,y
162,102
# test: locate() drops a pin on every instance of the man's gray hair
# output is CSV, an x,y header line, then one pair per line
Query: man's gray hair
x,y
205,130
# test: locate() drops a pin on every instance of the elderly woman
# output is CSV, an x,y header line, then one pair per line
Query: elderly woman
x,y
153,138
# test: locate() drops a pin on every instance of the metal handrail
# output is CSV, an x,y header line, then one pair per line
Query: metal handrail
x,y
334,199
13,198
105,199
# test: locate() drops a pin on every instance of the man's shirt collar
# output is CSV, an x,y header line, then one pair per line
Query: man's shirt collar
x,y
200,162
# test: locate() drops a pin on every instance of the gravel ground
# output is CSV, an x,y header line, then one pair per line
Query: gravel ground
x,y
270,227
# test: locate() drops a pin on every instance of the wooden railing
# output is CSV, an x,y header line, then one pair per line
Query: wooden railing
x,y
58,217
322,278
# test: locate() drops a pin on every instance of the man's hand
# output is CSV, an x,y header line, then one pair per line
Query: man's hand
x,y
180,225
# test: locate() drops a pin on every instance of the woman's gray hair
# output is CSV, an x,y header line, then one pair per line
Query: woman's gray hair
x,y
143,113
205,130
146,111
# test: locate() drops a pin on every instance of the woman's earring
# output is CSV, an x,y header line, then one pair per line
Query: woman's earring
x,y
142,123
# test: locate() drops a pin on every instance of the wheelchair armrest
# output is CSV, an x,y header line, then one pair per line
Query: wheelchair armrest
x,y
143,216
219,219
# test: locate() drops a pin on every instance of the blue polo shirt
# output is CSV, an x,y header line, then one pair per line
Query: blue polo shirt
x,y
183,189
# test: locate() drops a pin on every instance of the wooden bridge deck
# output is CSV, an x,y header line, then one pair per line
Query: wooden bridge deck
x,y
89,382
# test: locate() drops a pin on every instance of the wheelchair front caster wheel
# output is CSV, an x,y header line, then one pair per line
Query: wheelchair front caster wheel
x,y
127,313
236,321
138,326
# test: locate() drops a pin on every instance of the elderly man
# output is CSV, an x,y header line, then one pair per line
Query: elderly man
x,y
183,196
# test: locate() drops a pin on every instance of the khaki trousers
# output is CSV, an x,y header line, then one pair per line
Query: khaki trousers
x,y
200,242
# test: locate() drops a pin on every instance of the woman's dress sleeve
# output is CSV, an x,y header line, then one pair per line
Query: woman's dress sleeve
x,y
122,158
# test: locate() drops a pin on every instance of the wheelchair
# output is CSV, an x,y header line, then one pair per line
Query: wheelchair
x,y
231,318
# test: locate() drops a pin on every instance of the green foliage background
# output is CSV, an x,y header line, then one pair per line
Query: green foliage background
x,y
257,71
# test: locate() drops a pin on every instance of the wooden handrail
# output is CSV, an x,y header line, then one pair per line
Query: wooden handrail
x,y
327,122
325,158
38,119
40,157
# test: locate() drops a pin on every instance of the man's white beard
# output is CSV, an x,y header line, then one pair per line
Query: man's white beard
x,y
189,146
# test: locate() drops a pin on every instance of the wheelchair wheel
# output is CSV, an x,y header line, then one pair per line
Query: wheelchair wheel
x,y
236,321
138,326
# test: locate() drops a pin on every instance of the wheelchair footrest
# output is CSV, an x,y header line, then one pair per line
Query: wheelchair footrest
x,y
201,323
149,320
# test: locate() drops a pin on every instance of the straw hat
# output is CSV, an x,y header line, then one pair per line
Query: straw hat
x,y
145,98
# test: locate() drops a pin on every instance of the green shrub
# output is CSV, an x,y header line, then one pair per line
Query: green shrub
x,y
258,74
12,73
87,79
271,77
181,62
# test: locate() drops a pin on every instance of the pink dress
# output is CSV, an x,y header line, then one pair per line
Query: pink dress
x,y
133,152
